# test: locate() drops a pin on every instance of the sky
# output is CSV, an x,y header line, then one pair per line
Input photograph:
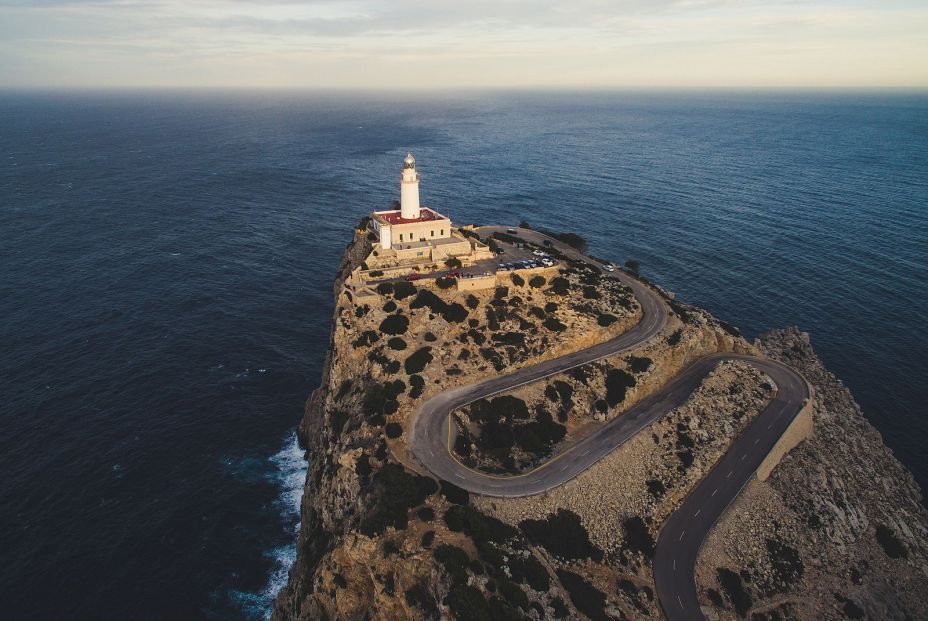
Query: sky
x,y
438,44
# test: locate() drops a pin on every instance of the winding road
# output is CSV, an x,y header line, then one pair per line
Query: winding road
x,y
431,436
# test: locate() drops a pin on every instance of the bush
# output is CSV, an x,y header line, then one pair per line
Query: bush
x,y
385,288
733,587
554,324
571,239
420,595
453,263
551,307
560,285
479,527
537,282
417,385
454,560
674,339
394,324
375,273
472,301
890,543
394,493
394,430
468,604
403,289
617,384
418,360
605,320
516,279
588,599
638,537
426,514
452,313
454,494
429,337
531,572
445,282
562,534
389,307
591,293
638,364
396,343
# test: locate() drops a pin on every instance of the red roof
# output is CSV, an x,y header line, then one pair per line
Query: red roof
x,y
425,215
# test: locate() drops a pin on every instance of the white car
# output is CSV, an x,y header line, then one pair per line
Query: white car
x,y
538,253
547,262
609,267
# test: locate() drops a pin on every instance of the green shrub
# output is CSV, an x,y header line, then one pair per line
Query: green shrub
x,y
588,599
560,608
617,384
530,571
394,430
375,273
537,282
394,324
389,307
605,320
560,286
512,592
516,279
890,543
562,534
417,385
638,536
571,239
454,560
554,324
385,288
454,494
418,360
472,301
468,604
551,307
420,595
396,343
734,588
403,289
674,339
429,337
394,492
445,282
638,364
591,293
477,526
453,263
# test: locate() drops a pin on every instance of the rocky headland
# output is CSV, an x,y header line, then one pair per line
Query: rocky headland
x,y
833,528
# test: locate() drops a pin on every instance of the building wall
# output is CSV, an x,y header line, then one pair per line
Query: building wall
x,y
415,231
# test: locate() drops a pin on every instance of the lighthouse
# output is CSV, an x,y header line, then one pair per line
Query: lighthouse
x,y
409,189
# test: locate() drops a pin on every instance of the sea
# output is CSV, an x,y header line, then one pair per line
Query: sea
x,y
166,266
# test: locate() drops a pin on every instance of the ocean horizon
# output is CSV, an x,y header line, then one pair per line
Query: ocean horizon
x,y
166,275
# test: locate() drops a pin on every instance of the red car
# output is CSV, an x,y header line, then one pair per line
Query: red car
x,y
453,274
413,276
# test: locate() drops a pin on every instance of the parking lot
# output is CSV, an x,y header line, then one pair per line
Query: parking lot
x,y
513,255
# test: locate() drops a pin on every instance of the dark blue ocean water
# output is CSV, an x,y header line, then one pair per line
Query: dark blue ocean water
x,y
165,289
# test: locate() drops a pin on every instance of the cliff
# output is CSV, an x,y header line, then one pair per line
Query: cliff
x,y
836,531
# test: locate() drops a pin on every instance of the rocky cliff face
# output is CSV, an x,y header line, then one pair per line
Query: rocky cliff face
x,y
837,531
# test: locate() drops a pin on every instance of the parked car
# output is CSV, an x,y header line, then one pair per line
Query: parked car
x,y
511,231
547,262
413,276
538,253
453,274
609,267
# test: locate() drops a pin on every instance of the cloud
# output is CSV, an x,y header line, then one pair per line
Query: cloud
x,y
367,43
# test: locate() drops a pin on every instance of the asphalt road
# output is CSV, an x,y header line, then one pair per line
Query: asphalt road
x,y
431,436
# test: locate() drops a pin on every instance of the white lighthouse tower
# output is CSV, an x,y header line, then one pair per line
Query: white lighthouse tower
x,y
409,189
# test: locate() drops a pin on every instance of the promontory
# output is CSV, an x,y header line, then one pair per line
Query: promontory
x,y
508,428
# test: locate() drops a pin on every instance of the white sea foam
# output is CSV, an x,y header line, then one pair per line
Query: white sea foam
x,y
289,473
